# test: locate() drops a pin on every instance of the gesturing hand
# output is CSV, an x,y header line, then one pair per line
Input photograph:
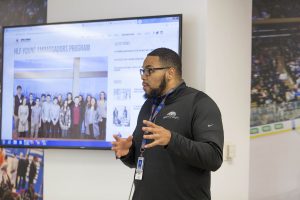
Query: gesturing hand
x,y
160,135
121,145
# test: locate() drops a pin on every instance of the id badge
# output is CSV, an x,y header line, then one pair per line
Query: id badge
x,y
139,168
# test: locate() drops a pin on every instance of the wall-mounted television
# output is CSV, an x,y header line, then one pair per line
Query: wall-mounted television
x,y
75,84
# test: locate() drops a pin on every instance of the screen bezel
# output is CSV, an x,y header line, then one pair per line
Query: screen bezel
x,y
74,22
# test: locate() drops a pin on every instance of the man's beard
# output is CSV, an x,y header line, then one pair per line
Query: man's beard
x,y
157,91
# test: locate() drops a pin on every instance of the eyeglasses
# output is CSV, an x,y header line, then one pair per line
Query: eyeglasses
x,y
150,70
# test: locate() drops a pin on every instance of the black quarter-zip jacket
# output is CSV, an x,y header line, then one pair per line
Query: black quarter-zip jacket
x,y
180,170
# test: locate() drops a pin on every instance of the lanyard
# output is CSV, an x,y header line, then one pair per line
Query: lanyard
x,y
154,111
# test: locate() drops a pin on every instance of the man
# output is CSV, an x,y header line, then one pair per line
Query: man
x,y
75,116
32,171
46,118
54,115
17,102
30,104
102,106
21,171
41,128
182,133
36,118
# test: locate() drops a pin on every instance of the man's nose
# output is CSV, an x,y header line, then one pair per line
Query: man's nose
x,y
143,77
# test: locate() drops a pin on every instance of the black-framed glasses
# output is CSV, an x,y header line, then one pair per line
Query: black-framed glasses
x,y
148,71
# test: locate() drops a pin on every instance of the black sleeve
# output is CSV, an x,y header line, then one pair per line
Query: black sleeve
x,y
129,159
204,150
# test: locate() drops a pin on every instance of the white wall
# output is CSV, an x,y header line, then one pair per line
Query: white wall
x,y
228,70
216,58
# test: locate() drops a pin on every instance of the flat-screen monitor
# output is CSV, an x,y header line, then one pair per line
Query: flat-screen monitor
x,y
75,84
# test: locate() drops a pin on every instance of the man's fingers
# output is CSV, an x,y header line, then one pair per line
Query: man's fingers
x,y
149,137
118,155
129,139
148,129
117,138
152,144
152,136
114,143
117,151
150,124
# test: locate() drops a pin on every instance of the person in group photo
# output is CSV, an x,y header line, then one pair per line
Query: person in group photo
x,y
70,99
60,100
23,114
30,104
102,104
54,115
36,114
82,112
46,118
87,101
43,99
92,118
75,119
65,119
41,129
86,105
17,102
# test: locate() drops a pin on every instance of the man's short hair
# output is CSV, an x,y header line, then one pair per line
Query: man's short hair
x,y
19,87
168,58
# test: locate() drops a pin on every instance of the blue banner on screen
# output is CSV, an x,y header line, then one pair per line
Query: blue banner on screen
x,y
74,85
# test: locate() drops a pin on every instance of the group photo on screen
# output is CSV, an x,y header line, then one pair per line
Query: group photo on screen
x,y
45,107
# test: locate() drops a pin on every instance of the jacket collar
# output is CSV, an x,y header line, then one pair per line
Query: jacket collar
x,y
178,91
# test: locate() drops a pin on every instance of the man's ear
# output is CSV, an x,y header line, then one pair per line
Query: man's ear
x,y
171,73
